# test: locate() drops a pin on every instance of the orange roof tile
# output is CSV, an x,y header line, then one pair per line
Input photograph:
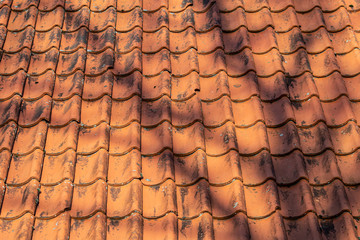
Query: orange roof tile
x,y
179,119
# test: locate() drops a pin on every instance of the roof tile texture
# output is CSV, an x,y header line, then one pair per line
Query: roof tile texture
x,y
179,119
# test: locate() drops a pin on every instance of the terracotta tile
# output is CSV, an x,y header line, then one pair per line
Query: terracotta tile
x,y
54,199
230,163
99,41
165,227
72,41
32,112
214,87
20,20
208,109
258,21
185,87
24,168
150,6
239,64
330,199
20,200
9,110
127,63
101,6
8,133
220,140
186,112
306,227
296,200
154,113
189,169
243,87
2,35
245,142
47,5
126,228
261,200
284,139
308,112
315,139
93,139
354,17
182,136
159,199
14,62
55,228
48,20
226,200
40,63
232,228
213,63
351,86
96,87
201,6
73,5
233,20
156,139
5,157
353,194
126,21
63,112
82,208
289,168
292,40
128,41
69,63
68,86
43,41
209,41
5,3
278,112
126,6
269,63
16,41
29,139
20,5
341,227
95,226
344,41
349,63
205,21
99,21
154,64
337,20
331,87
285,20
264,41
61,139
127,86
128,165
341,107
180,21
323,64
179,5
302,87
155,41
297,63
17,228
123,200
57,168
125,112
306,6
99,63
347,165
345,139
153,21
189,229
312,20
100,108
122,140
164,170
75,20
90,168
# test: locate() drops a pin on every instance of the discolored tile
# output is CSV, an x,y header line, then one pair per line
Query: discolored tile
x,y
30,138
93,139
58,167
55,228
48,20
32,112
61,139
19,20
15,41
43,41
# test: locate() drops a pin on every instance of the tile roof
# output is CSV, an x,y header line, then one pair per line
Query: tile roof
x,y
179,119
